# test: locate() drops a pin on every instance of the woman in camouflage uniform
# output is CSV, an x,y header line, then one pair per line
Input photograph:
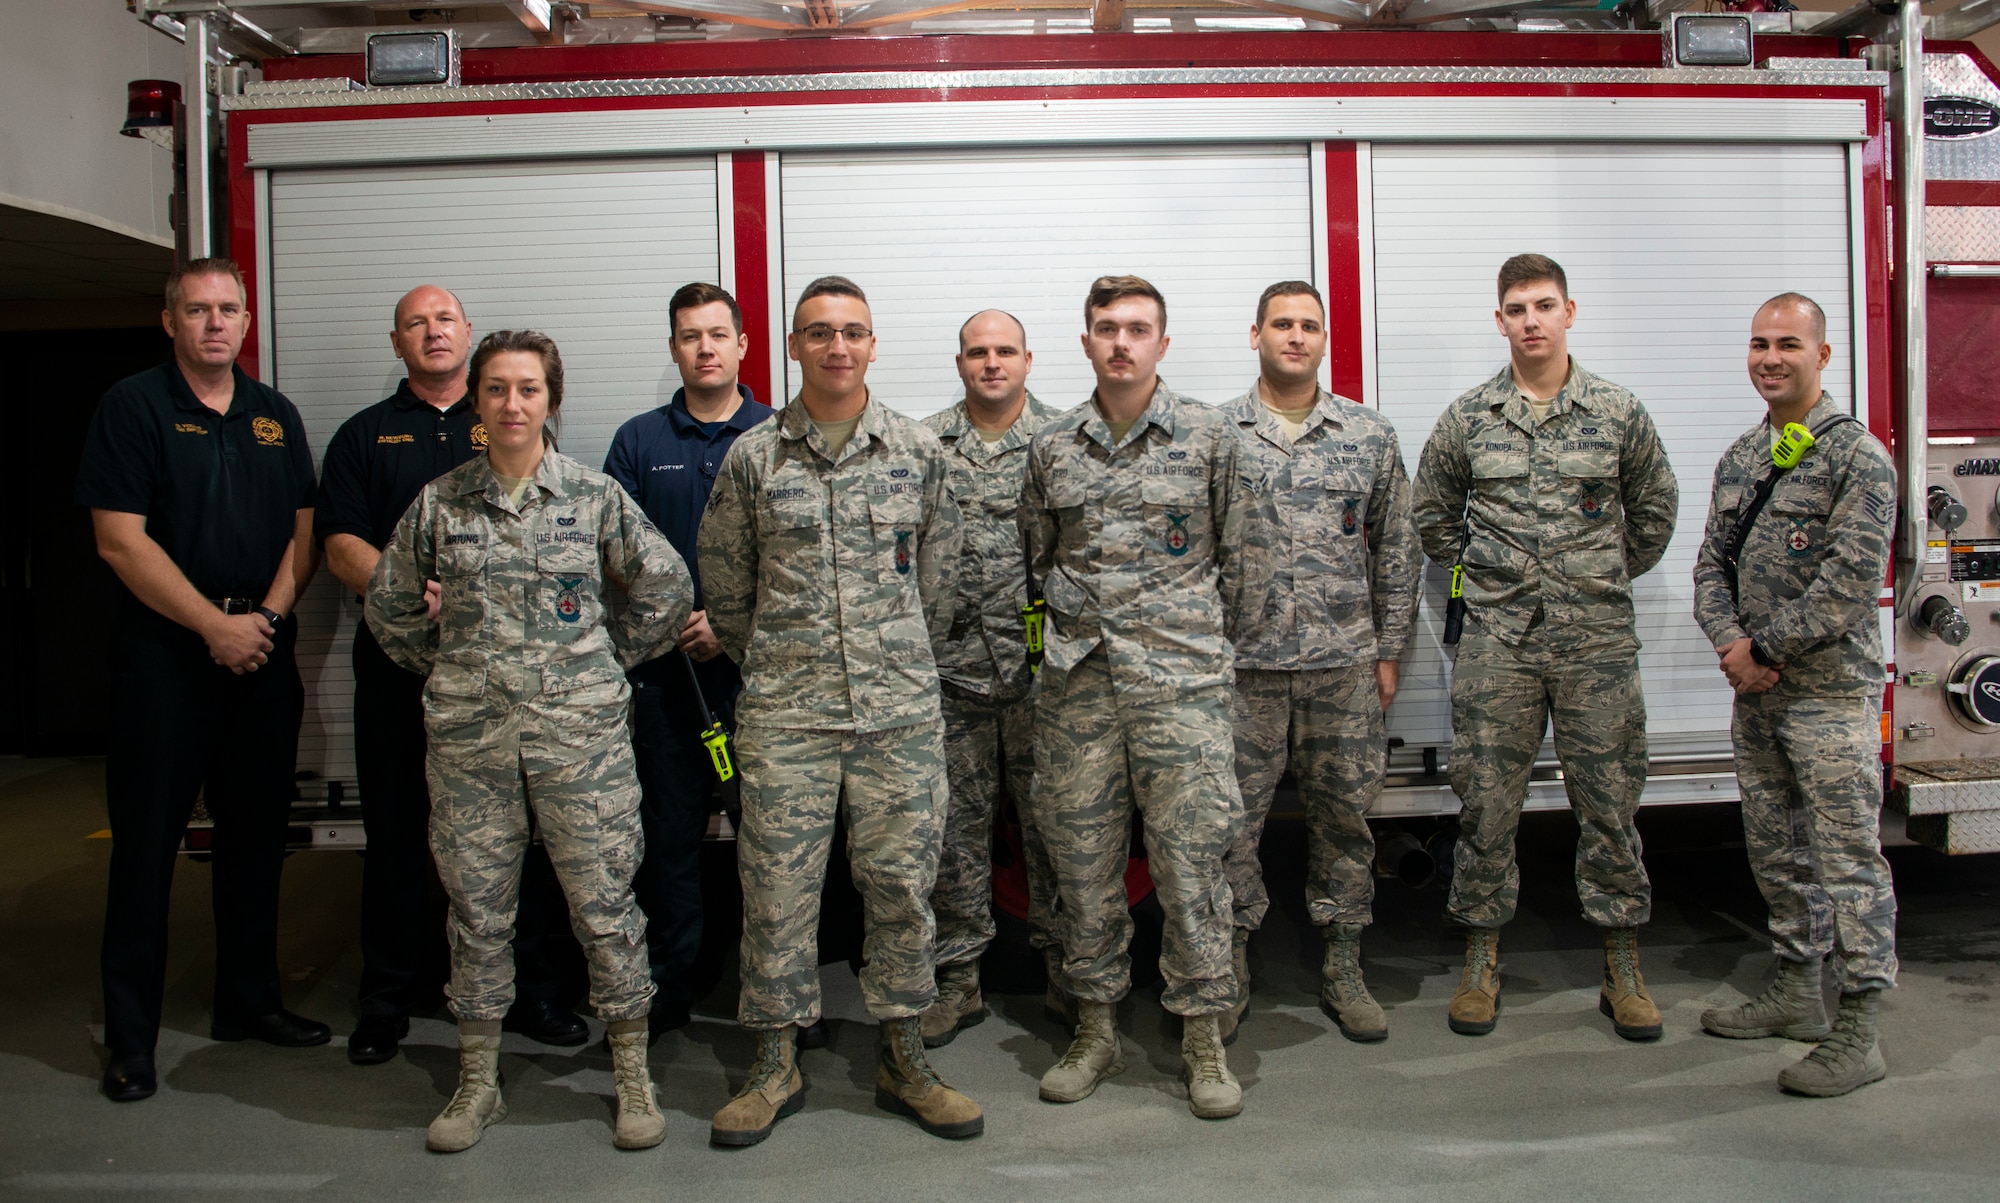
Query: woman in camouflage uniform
x,y
493,587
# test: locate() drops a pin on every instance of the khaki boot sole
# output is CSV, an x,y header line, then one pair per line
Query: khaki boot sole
x,y
1112,1070
437,1146
647,1140
971,1019
1631,1031
1359,1035
1790,1031
743,1138
958,1131
1223,1111
1873,1070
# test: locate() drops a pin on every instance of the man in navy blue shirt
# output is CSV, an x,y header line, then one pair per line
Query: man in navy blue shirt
x,y
667,459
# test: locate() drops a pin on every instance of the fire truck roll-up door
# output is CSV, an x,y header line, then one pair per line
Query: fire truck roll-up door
x,y
1669,249
588,253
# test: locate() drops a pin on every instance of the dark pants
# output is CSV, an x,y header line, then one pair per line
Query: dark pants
x,y
403,957
677,785
182,726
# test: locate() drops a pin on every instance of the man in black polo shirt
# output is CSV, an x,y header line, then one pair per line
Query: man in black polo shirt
x,y
667,459
377,463
200,489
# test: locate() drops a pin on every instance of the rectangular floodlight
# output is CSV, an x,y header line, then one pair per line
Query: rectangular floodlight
x,y
402,59
1709,40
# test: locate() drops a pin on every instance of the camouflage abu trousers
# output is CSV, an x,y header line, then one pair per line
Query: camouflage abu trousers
x,y
587,807
1811,776
1099,758
1328,723
986,743
1502,699
891,785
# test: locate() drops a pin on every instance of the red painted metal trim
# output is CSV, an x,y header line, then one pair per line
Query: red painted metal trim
x,y
1344,333
1354,48
243,240
1962,192
753,279
1884,362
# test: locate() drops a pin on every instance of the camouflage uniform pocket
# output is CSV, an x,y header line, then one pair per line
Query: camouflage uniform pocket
x,y
1177,515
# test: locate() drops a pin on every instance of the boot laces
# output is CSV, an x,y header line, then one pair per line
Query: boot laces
x,y
1347,969
770,1064
909,1049
629,1077
472,1083
1204,1054
1625,963
1478,959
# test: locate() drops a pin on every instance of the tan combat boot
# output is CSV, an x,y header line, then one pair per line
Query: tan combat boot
x,y
1093,1056
1793,1008
775,1090
1623,996
640,1124
1849,1057
906,1085
1343,994
1476,1006
958,1006
477,1102
1213,1092
1239,964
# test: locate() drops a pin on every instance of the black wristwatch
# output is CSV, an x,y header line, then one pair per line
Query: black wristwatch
x,y
1761,656
271,616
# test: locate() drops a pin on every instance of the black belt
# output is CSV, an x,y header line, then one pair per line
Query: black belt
x,y
236,605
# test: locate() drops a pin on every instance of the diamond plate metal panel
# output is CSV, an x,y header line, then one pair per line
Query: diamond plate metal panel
x,y
1946,786
1961,234
1957,834
873,81
1976,158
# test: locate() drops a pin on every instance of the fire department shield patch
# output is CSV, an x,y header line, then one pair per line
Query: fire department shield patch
x,y
1177,534
569,607
1350,518
1799,541
1592,505
903,551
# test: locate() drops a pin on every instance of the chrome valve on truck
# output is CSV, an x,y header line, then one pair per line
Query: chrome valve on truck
x,y
1945,509
1944,620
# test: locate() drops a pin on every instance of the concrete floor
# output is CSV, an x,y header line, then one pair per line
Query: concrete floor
x,y
1551,1106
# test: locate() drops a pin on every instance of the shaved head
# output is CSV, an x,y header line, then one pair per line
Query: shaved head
x,y
426,296
1804,304
992,313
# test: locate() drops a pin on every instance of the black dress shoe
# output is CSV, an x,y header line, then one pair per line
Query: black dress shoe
x,y
375,1039
812,1035
547,1022
281,1028
130,1077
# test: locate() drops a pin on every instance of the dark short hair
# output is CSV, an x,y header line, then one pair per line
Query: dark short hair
x,y
1108,289
694,296
1532,269
1288,288
214,266
1801,301
534,342
828,286
1018,324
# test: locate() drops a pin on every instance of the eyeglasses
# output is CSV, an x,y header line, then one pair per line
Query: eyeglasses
x,y
819,334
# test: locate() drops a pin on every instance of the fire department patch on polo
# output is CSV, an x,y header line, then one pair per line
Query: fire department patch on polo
x,y
478,434
267,431
1799,542
1177,534
569,607
903,551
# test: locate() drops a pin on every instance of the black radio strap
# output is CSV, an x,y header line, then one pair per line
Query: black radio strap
x,y
1732,547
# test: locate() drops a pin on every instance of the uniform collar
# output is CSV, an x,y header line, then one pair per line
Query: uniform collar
x,y
743,419
796,424
1250,411
406,400
244,398
550,478
1577,393
1159,412
957,425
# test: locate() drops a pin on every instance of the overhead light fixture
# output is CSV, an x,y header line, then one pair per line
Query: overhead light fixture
x,y
409,59
1709,40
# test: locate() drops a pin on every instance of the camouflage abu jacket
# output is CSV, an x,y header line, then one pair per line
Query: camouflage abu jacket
x,y
523,623
1815,561
985,652
1565,513
829,581
1158,549
1347,560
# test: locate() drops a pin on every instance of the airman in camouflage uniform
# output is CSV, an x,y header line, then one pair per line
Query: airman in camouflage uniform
x,y
829,571
1312,683
983,666
525,708
1794,619
1151,536
1552,515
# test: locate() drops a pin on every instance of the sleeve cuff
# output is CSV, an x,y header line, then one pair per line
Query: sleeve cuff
x,y
1761,656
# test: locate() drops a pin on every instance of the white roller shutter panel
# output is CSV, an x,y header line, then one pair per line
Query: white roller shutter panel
x,y
588,253
934,237
1669,251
